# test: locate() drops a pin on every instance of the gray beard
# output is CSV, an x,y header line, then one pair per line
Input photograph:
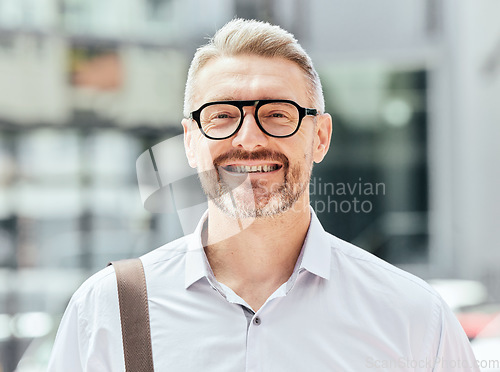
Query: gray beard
x,y
263,203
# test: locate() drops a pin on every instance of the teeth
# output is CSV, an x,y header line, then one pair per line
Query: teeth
x,y
251,168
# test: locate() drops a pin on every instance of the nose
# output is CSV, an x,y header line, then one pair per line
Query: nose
x,y
250,136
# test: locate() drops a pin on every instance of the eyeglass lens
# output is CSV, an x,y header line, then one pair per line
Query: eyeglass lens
x,y
222,120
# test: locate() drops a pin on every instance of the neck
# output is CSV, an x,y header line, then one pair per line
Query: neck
x,y
255,255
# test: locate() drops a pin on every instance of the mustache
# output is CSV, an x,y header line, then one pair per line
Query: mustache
x,y
264,154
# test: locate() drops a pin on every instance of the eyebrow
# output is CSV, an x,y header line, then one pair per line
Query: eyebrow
x,y
221,98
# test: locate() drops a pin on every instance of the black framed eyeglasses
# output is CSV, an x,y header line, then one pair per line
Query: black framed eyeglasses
x,y
275,117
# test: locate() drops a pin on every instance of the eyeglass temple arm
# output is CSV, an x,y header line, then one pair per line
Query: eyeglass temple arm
x,y
312,112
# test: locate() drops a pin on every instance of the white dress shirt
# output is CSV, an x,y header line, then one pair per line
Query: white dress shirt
x,y
342,309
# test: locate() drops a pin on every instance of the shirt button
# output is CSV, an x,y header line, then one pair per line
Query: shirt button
x,y
257,321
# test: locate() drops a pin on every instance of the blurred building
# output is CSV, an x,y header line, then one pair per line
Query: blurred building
x,y
87,86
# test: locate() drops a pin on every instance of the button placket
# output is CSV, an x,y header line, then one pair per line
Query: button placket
x,y
254,345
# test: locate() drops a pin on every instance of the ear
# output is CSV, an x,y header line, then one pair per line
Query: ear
x,y
323,135
189,143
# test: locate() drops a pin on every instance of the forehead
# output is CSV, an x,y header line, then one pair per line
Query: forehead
x,y
250,77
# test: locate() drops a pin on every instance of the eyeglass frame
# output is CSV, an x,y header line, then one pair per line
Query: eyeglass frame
x,y
303,112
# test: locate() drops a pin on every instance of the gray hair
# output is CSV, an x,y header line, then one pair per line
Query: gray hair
x,y
241,36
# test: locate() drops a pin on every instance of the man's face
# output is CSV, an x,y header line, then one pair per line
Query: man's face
x,y
251,174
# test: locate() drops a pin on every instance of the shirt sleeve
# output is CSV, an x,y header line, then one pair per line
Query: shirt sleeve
x,y
454,352
89,335
66,353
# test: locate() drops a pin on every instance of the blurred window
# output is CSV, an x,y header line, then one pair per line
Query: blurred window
x,y
372,188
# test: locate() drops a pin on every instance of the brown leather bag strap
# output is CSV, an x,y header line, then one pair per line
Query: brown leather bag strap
x,y
134,315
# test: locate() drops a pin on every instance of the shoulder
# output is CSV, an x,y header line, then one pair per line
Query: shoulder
x,y
101,286
405,305
401,303
169,253
375,277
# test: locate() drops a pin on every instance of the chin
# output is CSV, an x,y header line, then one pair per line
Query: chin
x,y
270,207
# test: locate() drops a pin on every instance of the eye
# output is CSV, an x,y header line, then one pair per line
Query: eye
x,y
219,113
277,115
221,116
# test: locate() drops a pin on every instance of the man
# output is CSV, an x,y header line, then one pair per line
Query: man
x,y
260,286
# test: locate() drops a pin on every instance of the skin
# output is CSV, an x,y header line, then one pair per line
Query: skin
x,y
255,256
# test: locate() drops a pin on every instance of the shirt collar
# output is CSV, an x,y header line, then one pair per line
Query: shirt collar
x,y
197,265
316,252
315,256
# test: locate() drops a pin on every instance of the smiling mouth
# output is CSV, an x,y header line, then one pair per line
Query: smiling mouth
x,y
252,168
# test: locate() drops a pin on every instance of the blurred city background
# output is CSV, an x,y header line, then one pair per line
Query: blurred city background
x,y
88,86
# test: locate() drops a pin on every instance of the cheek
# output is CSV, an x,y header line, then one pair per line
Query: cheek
x,y
303,149
205,153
